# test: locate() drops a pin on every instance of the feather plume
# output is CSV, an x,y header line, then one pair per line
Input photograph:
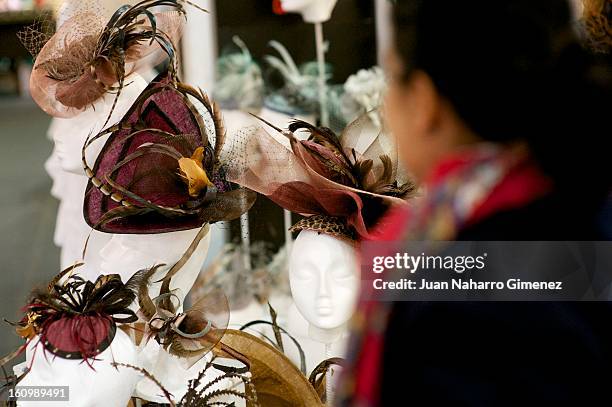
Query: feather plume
x,y
278,331
149,376
202,393
139,284
321,135
188,334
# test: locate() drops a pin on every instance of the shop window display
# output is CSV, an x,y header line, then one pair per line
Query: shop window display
x,y
310,154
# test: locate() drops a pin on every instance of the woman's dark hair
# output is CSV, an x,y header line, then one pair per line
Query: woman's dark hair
x,y
514,69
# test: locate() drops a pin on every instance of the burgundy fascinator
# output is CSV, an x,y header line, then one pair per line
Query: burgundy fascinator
x,y
74,318
163,167
342,185
88,56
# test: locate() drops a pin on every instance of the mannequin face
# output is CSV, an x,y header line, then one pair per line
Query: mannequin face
x,y
54,169
69,137
323,273
313,11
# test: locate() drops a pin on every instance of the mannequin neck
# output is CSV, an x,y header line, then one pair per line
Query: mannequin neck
x,y
326,336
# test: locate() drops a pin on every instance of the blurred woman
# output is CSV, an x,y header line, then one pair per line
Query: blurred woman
x,y
503,118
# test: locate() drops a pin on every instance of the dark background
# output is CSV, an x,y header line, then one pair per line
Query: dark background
x,y
351,33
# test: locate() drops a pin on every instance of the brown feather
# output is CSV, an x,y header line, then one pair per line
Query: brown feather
x,y
363,168
336,171
322,136
385,178
141,280
148,375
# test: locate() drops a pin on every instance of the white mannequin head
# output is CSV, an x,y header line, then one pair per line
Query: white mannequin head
x,y
127,254
324,279
313,11
54,169
104,386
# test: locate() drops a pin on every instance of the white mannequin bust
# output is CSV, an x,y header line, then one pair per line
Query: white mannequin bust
x,y
127,254
324,279
67,186
102,387
69,135
58,188
313,11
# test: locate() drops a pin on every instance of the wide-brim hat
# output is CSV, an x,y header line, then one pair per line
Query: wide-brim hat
x,y
278,382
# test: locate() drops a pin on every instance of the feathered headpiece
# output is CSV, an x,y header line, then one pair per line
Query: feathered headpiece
x,y
189,334
161,169
216,385
343,184
77,319
89,56
299,92
240,83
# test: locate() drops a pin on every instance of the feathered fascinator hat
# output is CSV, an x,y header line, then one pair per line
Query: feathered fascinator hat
x,y
341,184
89,56
76,319
299,92
190,334
163,166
